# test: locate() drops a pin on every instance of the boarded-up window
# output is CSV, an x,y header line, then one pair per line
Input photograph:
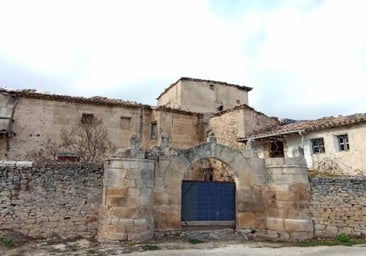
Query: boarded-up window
x,y
125,122
87,118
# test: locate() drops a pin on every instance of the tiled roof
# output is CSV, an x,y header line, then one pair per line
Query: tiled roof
x,y
96,100
307,126
245,88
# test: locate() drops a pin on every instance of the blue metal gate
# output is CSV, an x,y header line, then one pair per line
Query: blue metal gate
x,y
208,201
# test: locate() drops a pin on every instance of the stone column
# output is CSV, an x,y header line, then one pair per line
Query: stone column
x,y
288,199
126,212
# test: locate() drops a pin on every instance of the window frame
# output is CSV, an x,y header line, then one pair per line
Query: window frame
x,y
320,147
343,142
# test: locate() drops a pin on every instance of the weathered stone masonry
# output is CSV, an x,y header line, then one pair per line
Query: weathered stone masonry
x,y
338,205
41,201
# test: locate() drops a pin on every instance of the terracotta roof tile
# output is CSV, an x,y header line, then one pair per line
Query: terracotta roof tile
x,y
307,126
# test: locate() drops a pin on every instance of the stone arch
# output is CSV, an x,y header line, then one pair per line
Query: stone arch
x,y
247,170
179,164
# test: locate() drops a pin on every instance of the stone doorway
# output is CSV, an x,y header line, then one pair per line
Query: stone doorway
x,y
208,195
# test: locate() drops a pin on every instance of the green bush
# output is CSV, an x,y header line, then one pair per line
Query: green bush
x,y
342,238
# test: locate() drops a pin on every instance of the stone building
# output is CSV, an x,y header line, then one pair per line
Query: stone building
x,y
331,144
186,111
181,163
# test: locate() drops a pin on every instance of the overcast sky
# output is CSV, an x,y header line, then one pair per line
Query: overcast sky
x,y
305,59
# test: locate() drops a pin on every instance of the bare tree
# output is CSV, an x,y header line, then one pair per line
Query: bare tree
x,y
89,140
46,154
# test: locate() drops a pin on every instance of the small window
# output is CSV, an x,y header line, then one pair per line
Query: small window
x,y
154,131
343,143
220,108
212,87
237,101
277,149
318,145
87,118
125,122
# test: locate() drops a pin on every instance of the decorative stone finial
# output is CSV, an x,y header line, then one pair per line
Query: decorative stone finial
x,y
164,142
211,137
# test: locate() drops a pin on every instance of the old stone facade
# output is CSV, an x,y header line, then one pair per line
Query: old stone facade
x,y
194,136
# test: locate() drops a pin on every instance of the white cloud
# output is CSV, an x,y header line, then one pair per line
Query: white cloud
x,y
296,52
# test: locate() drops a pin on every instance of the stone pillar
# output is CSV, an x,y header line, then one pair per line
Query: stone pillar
x,y
126,212
288,199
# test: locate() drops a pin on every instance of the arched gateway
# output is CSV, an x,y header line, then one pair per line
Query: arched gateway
x,y
143,192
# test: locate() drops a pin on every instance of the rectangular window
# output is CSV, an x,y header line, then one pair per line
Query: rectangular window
x,y
318,145
125,122
343,143
87,118
154,131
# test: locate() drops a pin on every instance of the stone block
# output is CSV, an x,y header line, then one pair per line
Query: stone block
x,y
120,192
24,164
8,163
169,220
278,212
146,164
116,201
116,163
301,236
122,212
250,200
276,224
246,220
116,236
142,236
125,222
298,225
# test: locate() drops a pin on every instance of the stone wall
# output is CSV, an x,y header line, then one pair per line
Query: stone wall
x,y
228,126
338,205
41,201
126,209
288,195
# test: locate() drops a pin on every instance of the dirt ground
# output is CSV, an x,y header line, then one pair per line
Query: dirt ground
x,y
212,244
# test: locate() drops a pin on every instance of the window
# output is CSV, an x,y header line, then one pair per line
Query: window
x,y
276,149
212,87
87,118
343,143
154,131
125,122
318,145
237,101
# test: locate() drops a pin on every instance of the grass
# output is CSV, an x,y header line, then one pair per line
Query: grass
x,y
150,247
7,241
195,241
339,239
